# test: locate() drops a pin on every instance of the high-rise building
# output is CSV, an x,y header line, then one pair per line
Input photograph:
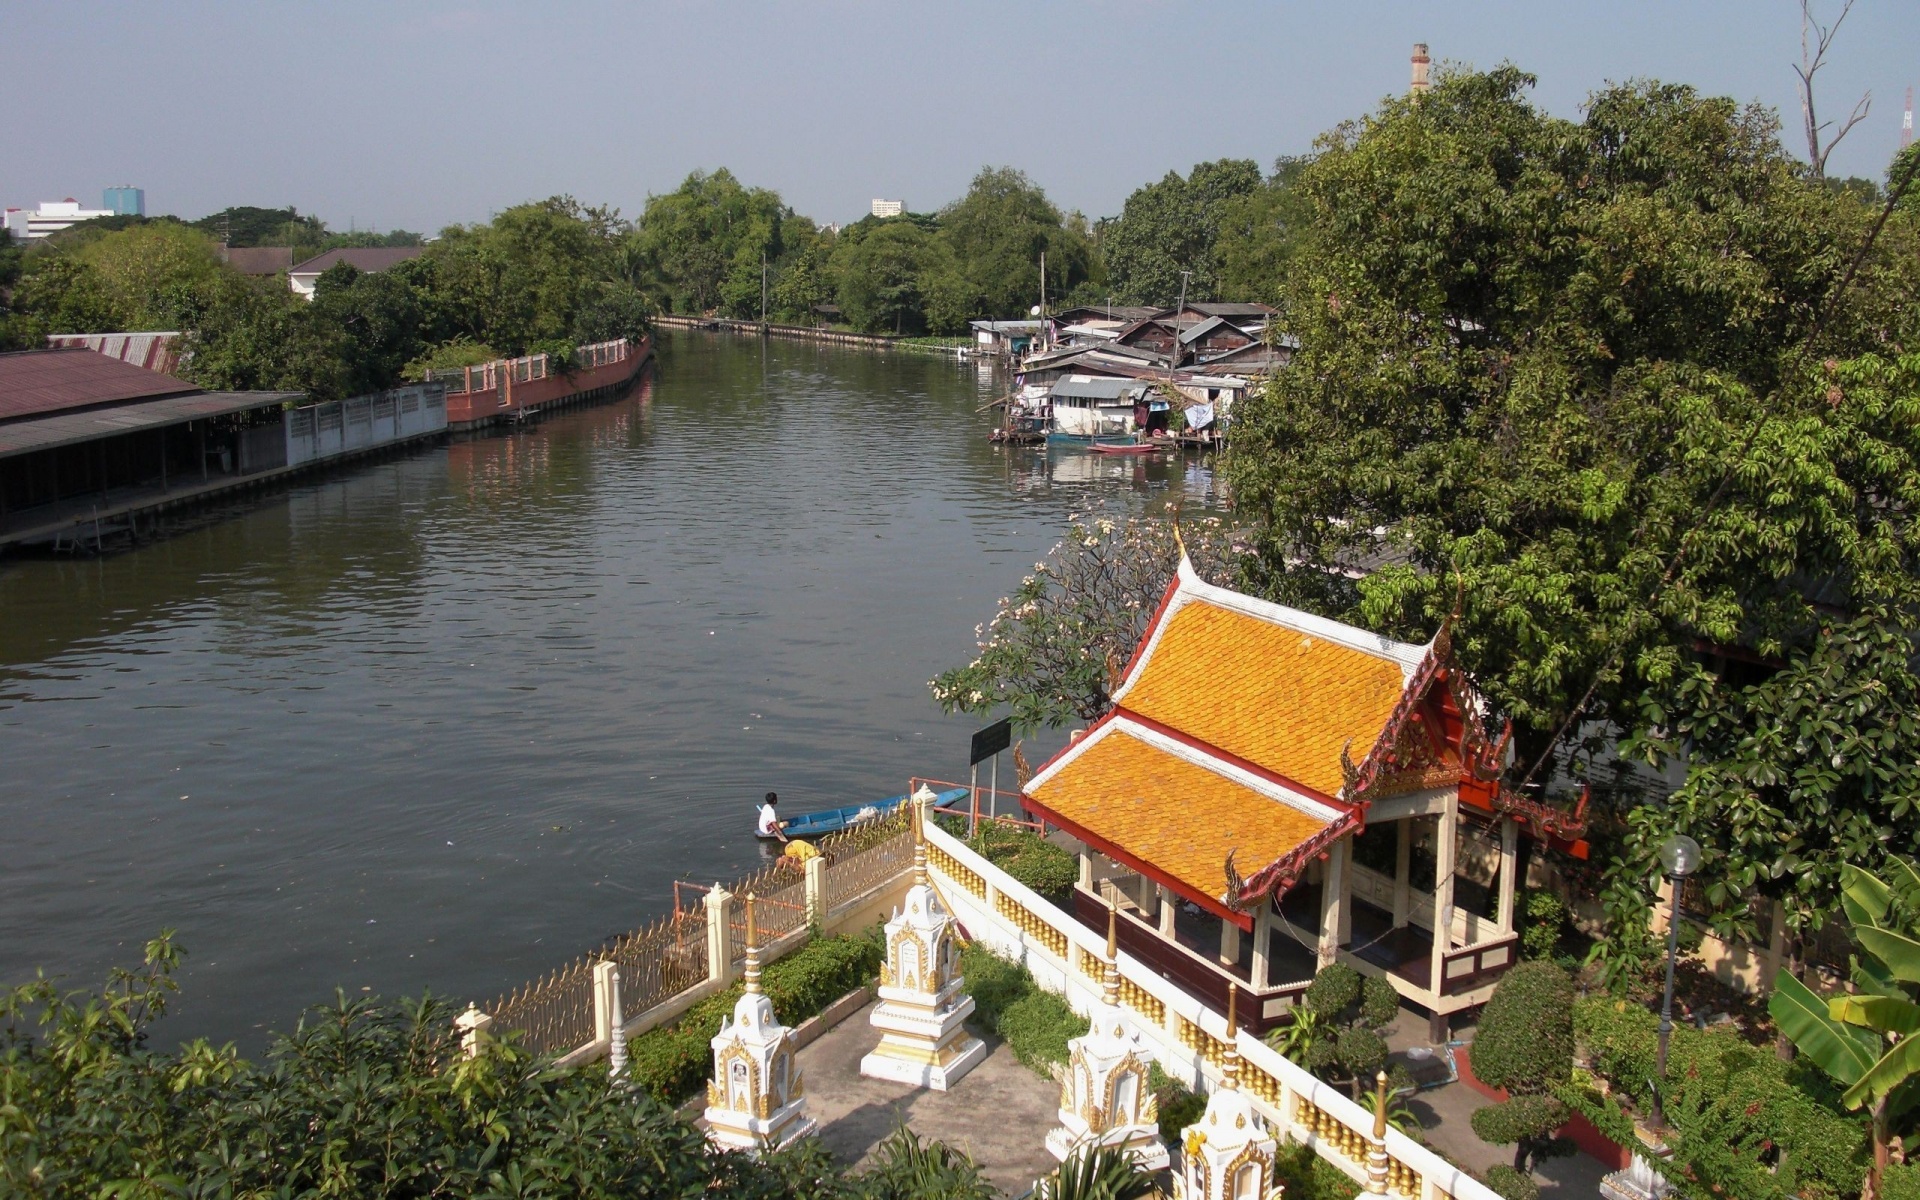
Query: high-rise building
x,y
125,201
889,208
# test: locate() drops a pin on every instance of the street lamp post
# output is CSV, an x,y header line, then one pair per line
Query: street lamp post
x,y
1680,854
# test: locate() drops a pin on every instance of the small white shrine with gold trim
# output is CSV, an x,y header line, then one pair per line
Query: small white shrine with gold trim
x,y
755,1100
1227,1155
922,1011
1104,1096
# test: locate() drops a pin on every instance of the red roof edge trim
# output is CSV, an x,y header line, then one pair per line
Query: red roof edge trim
x,y
1073,742
1212,904
1278,877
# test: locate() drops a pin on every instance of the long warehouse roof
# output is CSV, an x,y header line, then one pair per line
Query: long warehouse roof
x,y
34,382
66,428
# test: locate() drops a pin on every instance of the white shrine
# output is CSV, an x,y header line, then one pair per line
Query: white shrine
x,y
1105,1099
1228,1154
922,1011
755,1100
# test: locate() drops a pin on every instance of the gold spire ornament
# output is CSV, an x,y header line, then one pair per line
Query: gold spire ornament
x,y
1105,1099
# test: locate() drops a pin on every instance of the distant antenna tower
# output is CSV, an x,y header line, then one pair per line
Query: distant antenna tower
x,y
1906,121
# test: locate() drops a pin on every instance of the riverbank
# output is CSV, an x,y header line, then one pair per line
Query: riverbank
x,y
817,334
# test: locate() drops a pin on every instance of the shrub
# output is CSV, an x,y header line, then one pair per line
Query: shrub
x,y
1361,1051
1526,1123
1037,1028
1544,916
1033,860
1738,1120
1180,1106
993,982
1307,1176
1333,988
673,1063
1379,1003
1512,1185
1900,1182
1525,1043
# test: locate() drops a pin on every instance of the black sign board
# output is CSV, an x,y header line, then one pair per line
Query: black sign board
x,y
991,741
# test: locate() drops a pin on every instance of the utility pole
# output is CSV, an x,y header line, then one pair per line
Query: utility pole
x,y
1043,292
1174,358
763,291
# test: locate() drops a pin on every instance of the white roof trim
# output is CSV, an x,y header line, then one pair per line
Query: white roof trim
x,y
1190,587
1298,801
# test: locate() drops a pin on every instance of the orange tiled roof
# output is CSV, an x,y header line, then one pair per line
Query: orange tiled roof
x,y
1176,815
1281,699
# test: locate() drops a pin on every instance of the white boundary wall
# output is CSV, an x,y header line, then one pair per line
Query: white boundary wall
x,y
1188,1039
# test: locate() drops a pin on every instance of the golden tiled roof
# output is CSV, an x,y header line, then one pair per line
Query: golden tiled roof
x,y
1179,817
1276,697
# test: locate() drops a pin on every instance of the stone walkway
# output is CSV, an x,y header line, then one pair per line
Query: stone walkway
x,y
998,1115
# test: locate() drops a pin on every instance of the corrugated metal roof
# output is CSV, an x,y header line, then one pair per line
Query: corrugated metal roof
x,y
1077,388
364,258
153,350
66,428
34,382
1006,326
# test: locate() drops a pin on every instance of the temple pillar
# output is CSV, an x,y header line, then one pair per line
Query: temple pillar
x,y
1169,909
1262,945
1509,863
1445,849
1086,869
1229,944
1346,890
1333,906
1402,873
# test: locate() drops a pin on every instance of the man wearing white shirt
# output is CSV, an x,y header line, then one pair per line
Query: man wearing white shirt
x,y
770,823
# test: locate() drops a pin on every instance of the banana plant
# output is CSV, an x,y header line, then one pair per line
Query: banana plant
x,y
1866,1041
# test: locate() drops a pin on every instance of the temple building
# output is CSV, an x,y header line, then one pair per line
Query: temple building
x,y
1274,791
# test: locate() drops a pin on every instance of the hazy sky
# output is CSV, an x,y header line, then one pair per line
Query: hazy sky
x,y
416,115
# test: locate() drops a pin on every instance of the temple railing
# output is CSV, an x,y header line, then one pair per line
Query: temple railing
x,y
1188,1037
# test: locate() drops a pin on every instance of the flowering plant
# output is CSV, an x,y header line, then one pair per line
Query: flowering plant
x,y
1054,649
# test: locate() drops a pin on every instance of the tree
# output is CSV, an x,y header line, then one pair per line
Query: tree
x,y
1866,1041
1259,233
1525,1045
525,276
1815,40
884,270
997,233
1335,1029
1177,224
246,225
385,320
1605,377
706,240
1054,649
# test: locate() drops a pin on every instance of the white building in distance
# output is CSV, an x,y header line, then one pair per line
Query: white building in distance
x,y
889,208
32,224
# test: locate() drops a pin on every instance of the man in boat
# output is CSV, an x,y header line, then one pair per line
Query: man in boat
x,y
770,823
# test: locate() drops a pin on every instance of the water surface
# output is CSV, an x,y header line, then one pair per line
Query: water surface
x,y
445,720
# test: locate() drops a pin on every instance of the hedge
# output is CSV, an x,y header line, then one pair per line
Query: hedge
x,y
1033,860
673,1063
1744,1128
1035,1023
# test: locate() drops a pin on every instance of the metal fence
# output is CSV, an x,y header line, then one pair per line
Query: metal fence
x,y
555,1014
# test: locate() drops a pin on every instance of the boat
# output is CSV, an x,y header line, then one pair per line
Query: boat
x,y
1125,448
833,820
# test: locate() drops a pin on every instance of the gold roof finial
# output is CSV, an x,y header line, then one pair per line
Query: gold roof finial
x,y
753,952
1230,1061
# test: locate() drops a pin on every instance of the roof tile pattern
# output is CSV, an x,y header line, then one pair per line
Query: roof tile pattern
x,y
1276,697
1180,817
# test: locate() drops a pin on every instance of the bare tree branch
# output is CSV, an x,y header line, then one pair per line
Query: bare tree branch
x,y
1815,39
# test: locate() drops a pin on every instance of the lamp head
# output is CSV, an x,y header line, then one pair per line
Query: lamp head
x,y
1680,855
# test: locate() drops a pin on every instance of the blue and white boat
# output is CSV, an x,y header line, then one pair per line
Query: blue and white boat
x,y
833,820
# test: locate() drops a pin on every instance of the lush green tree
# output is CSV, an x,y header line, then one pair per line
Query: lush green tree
x,y
806,280
997,233
707,238
1525,1045
884,268
1175,225
60,294
385,320
525,276
253,334
1335,1030
247,225
1258,235
1605,377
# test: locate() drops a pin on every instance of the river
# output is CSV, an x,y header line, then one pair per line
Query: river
x,y
445,720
